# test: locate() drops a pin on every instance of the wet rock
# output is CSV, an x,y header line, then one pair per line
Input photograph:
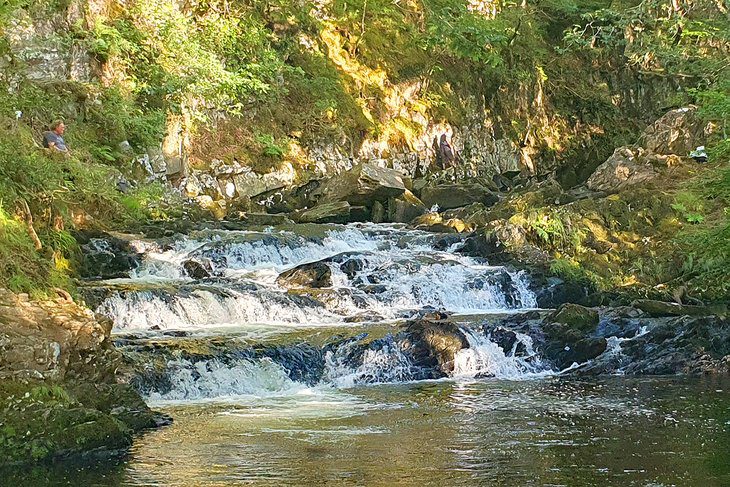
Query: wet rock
x,y
566,345
334,212
555,292
197,269
445,242
435,222
682,345
266,219
506,339
575,316
434,344
660,308
374,289
377,215
352,266
448,196
362,186
303,362
314,275
106,257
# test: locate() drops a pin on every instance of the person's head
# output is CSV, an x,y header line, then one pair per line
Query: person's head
x,y
58,126
443,138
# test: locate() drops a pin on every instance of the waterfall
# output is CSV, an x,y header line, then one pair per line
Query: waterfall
x,y
378,272
213,379
377,275
483,357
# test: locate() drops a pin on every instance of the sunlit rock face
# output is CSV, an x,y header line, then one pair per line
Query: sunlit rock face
x,y
39,42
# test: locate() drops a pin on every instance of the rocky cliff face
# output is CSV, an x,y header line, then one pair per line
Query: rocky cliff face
x,y
536,124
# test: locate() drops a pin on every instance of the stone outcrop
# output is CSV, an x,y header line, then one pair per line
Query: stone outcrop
x,y
334,212
449,196
627,167
405,208
60,394
362,186
677,132
663,144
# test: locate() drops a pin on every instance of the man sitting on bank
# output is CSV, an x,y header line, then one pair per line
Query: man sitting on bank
x,y
53,139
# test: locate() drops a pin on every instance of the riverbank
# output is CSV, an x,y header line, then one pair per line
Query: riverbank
x,y
61,390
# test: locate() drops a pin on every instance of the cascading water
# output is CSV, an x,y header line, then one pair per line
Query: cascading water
x,y
384,273
483,357
388,342
378,275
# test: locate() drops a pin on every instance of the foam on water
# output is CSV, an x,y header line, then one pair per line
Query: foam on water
x,y
483,357
201,308
212,379
385,364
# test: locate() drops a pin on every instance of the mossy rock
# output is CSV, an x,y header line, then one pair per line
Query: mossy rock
x,y
575,316
41,422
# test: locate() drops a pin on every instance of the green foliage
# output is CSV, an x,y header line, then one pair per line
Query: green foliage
x,y
151,202
270,148
690,207
571,271
460,33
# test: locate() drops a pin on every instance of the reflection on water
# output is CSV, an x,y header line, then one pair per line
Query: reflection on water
x,y
617,431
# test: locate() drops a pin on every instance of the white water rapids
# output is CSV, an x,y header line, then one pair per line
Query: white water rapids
x,y
379,275
397,271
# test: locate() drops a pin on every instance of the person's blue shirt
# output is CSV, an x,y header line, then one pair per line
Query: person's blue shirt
x,y
52,139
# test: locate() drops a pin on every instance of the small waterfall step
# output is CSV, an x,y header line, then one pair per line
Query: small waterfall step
x,y
373,273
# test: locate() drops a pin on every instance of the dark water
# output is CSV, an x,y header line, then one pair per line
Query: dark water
x,y
614,431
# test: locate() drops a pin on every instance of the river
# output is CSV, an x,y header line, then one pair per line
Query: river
x,y
274,385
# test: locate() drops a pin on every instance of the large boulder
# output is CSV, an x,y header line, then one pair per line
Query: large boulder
x,y
626,167
677,132
449,196
105,256
334,212
435,343
313,275
362,186
405,208
575,316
